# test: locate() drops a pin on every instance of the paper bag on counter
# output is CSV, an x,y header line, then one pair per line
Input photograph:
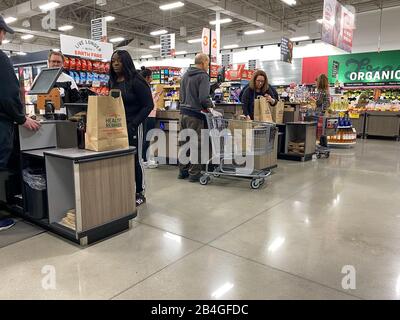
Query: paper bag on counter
x,y
106,127
277,112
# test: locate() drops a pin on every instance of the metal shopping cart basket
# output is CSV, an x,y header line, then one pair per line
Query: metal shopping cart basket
x,y
255,138
321,148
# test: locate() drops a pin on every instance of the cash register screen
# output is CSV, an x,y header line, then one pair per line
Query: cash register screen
x,y
45,81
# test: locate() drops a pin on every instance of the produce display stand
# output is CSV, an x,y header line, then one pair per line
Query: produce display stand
x,y
382,124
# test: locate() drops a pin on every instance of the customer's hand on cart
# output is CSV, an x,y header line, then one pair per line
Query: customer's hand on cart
x,y
215,113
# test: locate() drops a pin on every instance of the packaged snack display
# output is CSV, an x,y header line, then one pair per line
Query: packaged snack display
x,y
72,75
101,67
66,63
95,76
72,63
107,67
95,65
89,78
78,64
104,91
102,79
82,77
89,66
83,65
77,77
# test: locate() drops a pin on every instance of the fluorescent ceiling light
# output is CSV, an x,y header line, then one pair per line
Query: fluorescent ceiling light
x,y
109,18
65,28
5,41
222,290
254,31
20,53
27,36
172,5
195,40
158,32
231,46
180,52
55,49
289,2
9,20
147,56
48,6
302,38
155,46
320,20
117,39
221,21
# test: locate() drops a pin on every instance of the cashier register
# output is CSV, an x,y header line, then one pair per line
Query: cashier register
x,y
52,94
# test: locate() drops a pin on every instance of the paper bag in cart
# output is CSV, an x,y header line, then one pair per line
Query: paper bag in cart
x,y
106,127
277,112
241,129
262,110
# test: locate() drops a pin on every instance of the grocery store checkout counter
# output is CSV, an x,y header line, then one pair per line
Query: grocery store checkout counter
x,y
81,195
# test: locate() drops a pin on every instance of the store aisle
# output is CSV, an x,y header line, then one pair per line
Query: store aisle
x,y
288,240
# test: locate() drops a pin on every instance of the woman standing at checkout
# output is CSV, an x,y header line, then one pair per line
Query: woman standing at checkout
x,y
138,102
258,87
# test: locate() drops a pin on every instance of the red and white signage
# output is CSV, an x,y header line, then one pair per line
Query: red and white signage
x,y
205,44
86,48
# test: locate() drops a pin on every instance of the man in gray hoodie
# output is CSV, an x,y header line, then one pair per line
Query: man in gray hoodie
x,y
194,98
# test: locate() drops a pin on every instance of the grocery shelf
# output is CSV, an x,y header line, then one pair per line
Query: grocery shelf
x,y
344,127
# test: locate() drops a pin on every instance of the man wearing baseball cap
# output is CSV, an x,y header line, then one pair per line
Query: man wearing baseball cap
x,y
11,109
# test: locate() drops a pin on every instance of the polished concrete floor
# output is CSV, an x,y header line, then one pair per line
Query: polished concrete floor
x,y
289,240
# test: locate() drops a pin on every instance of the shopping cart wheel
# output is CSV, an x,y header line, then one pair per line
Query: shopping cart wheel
x,y
328,154
318,156
256,183
204,180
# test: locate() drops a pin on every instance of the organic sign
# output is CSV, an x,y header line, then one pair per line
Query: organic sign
x,y
371,69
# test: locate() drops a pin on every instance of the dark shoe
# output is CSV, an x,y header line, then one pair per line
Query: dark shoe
x,y
183,174
194,178
6,224
140,199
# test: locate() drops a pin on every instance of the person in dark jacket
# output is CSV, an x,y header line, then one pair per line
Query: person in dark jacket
x,y
138,102
11,111
258,86
194,98
11,108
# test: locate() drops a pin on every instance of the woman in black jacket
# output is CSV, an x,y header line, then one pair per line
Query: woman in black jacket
x,y
258,86
138,102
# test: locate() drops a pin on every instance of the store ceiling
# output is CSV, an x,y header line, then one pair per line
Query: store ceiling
x,y
135,19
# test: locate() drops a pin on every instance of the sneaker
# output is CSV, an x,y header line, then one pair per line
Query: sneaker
x,y
194,178
183,174
140,199
152,164
6,224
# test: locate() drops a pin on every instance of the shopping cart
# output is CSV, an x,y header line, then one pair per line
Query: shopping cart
x,y
225,148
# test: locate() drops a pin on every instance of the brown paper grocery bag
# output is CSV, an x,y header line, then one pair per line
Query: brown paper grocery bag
x,y
106,127
257,111
263,113
277,112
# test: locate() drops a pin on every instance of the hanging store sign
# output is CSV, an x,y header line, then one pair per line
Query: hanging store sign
x,y
227,59
85,48
253,64
167,42
338,25
365,69
286,50
98,28
206,42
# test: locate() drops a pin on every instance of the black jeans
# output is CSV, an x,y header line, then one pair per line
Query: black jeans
x,y
6,142
149,124
135,135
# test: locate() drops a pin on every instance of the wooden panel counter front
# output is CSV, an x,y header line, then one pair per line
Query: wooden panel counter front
x,y
100,186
